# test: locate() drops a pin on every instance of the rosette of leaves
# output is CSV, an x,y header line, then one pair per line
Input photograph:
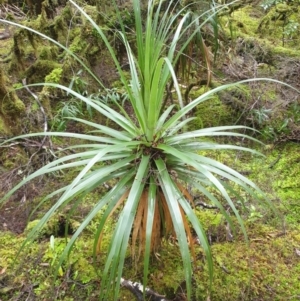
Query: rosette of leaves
x,y
150,155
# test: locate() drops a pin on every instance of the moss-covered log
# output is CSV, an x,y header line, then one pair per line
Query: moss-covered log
x,y
11,107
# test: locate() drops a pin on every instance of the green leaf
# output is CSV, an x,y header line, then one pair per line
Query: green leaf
x,y
172,197
119,243
150,220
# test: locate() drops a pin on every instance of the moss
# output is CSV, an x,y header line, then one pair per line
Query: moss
x,y
10,158
61,23
166,270
287,183
288,52
9,247
212,112
56,226
15,106
4,129
46,52
37,72
32,224
54,76
277,176
6,46
240,24
23,50
78,45
270,29
10,104
86,43
84,263
265,270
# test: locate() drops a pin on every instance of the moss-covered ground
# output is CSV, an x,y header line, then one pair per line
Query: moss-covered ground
x,y
264,268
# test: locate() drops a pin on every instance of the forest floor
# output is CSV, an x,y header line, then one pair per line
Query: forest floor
x,y
265,269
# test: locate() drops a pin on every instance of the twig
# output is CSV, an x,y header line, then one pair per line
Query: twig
x,y
10,9
137,289
45,120
204,205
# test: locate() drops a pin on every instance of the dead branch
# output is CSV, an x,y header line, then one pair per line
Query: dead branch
x,y
45,121
137,289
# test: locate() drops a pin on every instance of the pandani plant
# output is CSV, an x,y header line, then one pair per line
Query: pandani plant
x,y
150,155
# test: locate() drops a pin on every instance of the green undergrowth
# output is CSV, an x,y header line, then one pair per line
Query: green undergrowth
x,y
286,165
264,44
277,174
272,27
11,106
266,268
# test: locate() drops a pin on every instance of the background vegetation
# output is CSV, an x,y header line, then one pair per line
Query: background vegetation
x,y
255,40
